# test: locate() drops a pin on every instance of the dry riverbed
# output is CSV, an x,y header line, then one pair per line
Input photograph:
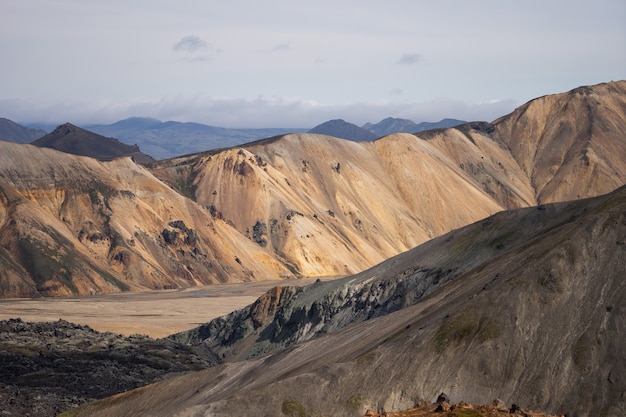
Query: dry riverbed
x,y
156,314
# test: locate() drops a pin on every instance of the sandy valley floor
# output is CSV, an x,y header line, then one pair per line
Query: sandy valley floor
x,y
156,314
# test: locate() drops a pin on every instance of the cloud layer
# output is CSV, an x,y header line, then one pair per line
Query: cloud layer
x,y
242,63
262,111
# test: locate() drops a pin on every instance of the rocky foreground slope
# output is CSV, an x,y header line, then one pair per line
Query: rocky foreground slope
x,y
526,306
46,368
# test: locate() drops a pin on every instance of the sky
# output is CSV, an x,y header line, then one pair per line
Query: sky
x,y
279,63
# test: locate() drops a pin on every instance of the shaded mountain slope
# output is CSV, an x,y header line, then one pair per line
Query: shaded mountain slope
x,y
73,225
526,306
74,140
14,132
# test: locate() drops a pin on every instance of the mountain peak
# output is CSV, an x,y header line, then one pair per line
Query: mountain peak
x,y
72,139
339,128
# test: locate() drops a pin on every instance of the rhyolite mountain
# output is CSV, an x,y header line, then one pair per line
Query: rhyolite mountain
x,y
171,139
395,125
294,205
526,306
76,225
339,128
14,132
77,141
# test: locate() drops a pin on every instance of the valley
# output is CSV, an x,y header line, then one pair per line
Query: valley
x,y
154,313
484,260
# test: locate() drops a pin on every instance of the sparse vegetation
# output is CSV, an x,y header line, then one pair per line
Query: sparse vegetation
x,y
465,326
366,358
46,263
293,408
354,402
184,184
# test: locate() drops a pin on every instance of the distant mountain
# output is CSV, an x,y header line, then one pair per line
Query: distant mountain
x,y
14,132
74,140
344,130
394,125
171,139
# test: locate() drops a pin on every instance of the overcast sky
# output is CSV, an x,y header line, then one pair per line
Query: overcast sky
x,y
275,63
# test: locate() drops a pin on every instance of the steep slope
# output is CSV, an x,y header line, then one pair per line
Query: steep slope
x,y
73,225
72,139
13,132
571,145
333,207
525,306
339,128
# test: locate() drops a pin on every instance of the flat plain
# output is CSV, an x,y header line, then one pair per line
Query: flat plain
x,y
156,314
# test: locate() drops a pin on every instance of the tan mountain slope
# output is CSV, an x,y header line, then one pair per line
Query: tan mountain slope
x,y
73,225
526,306
571,145
333,207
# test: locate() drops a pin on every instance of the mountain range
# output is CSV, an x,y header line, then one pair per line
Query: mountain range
x,y
170,139
479,261
294,205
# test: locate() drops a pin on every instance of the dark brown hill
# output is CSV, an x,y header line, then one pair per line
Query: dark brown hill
x,y
74,140
339,128
526,306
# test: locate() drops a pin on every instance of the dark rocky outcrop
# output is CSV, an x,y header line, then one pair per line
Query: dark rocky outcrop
x,y
46,368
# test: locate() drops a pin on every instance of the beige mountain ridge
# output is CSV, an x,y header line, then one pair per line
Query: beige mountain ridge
x,y
291,206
